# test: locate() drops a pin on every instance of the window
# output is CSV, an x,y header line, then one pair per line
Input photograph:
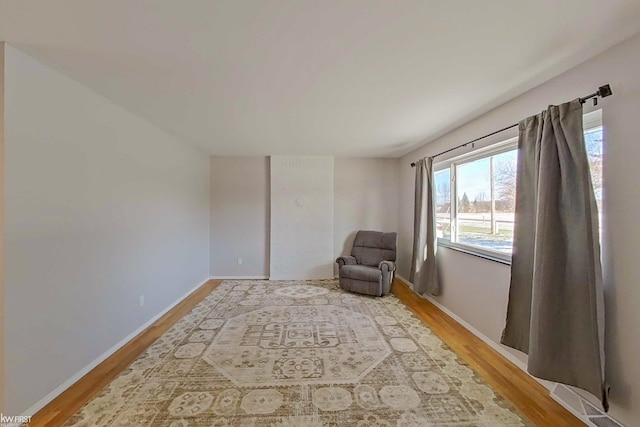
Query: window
x,y
475,194
475,201
593,140
443,204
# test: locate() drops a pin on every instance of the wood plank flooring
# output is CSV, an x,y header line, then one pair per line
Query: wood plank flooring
x,y
70,401
527,395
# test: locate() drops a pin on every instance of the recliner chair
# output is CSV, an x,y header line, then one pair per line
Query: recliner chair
x,y
370,268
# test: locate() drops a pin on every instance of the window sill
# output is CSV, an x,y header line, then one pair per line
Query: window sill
x,y
475,252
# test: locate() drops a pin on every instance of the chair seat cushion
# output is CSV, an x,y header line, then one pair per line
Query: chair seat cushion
x,y
361,272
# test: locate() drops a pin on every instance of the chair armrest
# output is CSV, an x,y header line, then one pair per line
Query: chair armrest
x,y
387,265
346,260
387,268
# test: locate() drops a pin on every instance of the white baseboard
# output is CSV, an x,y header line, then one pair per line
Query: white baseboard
x,y
551,386
497,347
84,371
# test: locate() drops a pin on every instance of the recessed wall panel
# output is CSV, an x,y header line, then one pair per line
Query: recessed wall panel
x,y
301,217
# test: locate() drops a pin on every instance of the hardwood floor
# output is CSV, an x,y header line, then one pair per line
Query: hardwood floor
x,y
70,401
527,395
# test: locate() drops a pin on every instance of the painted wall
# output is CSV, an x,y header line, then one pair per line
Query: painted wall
x,y
1,227
240,216
301,217
366,198
477,289
100,208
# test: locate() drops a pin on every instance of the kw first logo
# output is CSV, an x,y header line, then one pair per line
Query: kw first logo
x,y
6,420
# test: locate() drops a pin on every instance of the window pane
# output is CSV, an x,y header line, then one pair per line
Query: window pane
x,y
593,141
443,204
504,179
474,192
486,202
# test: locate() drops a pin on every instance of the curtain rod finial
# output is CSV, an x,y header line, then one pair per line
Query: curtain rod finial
x,y
413,165
605,91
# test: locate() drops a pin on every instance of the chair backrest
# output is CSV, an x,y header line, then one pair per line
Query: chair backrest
x,y
371,247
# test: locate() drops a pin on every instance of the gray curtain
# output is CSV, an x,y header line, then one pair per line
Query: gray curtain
x,y
556,307
424,274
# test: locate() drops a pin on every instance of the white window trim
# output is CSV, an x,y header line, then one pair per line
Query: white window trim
x,y
591,121
491,150
478,251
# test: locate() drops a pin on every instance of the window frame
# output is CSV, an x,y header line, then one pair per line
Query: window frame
x,y
591,120
452,164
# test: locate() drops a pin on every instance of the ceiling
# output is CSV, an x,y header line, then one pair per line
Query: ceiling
x,y
323,77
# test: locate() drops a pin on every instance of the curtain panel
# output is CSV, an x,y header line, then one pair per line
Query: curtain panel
x,y
424,274
555,312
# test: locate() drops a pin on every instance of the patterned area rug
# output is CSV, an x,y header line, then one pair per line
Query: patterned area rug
x,y
257,353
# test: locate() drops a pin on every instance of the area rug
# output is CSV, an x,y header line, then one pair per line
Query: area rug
x,y
282,353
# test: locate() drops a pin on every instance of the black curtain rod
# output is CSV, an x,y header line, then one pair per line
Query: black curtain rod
x,y
602,92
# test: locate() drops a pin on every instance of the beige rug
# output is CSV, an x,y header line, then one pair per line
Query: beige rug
x,y
257,353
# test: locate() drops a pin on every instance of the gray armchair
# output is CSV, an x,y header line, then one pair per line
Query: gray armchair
x,y
369,270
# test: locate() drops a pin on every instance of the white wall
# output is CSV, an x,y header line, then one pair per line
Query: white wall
x,y
240,216
2,227
301,218
100,207
366,198
476,289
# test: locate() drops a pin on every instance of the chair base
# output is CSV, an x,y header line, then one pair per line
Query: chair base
x,y
375,289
